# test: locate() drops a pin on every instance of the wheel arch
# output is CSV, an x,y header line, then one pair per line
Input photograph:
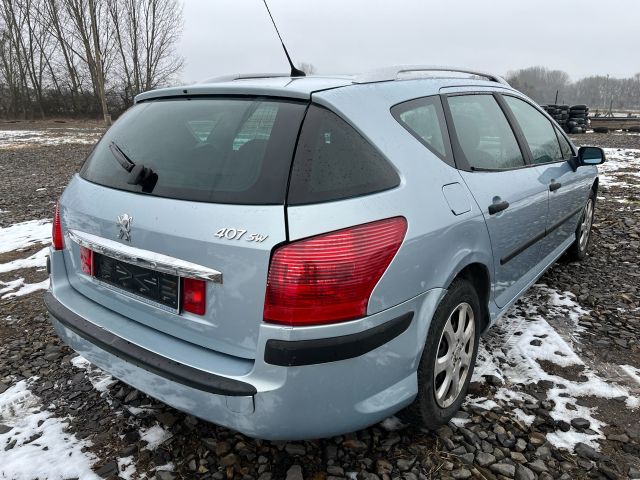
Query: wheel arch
x,y
478,275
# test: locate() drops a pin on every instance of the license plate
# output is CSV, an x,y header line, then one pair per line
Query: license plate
x,y
156,287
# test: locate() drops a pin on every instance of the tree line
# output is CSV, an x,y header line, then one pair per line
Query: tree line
x,y
598,91
84,57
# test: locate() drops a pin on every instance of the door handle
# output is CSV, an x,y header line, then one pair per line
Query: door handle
x,y
498,207
553,186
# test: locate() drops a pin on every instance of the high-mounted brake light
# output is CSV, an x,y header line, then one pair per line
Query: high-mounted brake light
x,y
329,278
194,296
57,241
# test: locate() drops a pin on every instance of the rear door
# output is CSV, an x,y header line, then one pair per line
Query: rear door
x,y
513,201
208,196
550,151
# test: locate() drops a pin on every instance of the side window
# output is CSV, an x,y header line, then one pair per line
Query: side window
x,y
424,119
537,130
565,147
333,161
483,132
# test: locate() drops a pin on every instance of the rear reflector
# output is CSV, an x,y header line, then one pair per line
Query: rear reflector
x,y
86,260
56,232
194,296
329,278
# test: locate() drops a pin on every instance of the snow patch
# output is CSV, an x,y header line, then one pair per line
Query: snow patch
x,y
17,288
127,468
392,423
619,159
459,421
51,136
513,349
38,259
632,372
40,441
154,436
101,381
24,234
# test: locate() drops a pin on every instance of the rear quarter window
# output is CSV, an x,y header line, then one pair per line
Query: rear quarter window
x,y
424,119
333,161
220,150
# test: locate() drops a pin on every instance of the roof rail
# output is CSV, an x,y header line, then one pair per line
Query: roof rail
x,y
244,76
391,73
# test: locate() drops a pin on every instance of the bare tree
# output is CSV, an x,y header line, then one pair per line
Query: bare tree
x,y
307,68
147,32
597,91
87,16
85,56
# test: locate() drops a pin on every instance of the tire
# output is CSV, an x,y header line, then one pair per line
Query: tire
x,y
575,130
578,107
435,410
601,129
634,129
578,249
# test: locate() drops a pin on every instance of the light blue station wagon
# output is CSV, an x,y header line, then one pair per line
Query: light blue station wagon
x,y
302,257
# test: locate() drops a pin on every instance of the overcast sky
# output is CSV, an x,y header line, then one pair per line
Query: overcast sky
x,y
581,37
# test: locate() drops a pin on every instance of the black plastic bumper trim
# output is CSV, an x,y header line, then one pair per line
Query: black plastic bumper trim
x,y
140,357
311,352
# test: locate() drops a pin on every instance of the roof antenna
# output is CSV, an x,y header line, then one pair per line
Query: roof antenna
x,y
294,71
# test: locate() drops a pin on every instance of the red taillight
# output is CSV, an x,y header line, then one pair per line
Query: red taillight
x,y
86,260
329,278
194,295
56,233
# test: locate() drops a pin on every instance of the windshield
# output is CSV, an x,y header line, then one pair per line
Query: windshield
x,y
222,150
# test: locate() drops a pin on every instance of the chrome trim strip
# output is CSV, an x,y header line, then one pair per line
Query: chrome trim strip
x,y
145,258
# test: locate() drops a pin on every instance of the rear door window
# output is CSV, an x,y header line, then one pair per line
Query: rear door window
x,y
424,119
221,150
483,133
537,130
333,161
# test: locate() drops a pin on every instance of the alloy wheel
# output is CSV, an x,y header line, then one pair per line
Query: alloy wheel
x,y
455,351
585,226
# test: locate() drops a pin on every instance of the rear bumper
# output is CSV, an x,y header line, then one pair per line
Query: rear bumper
x,y
320,384
145,359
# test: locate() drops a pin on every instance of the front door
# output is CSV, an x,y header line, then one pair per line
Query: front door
x,y
549,151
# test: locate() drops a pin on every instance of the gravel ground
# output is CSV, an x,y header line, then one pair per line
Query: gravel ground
x,y
553,396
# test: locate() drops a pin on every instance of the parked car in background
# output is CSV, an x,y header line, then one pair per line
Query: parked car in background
x,y
302,257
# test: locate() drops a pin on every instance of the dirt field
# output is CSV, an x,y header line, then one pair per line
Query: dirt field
x,y
556,392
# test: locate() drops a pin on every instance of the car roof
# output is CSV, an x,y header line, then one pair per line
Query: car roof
x,y
284,85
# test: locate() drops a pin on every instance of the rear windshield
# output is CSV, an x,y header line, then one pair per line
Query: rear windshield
x,y
222,150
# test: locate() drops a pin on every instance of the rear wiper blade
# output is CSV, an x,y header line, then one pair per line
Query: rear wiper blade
x,y
138,174
124,161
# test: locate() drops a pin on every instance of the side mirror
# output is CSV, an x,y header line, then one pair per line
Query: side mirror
x,y
590,156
